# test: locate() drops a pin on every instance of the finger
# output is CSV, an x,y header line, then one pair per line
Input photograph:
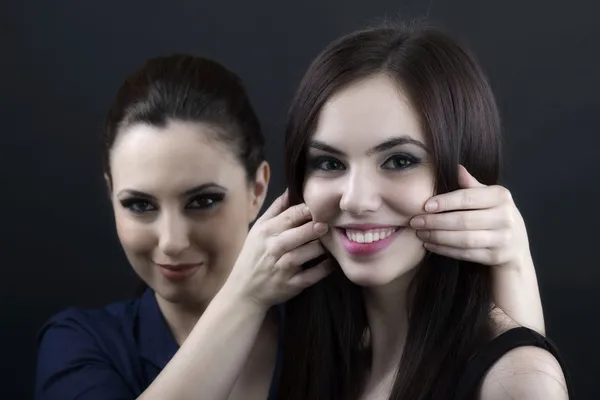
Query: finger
x,y
290,218
466,180
277,207
482,256
469,199
464,220
293,238
466,239
312,275
300,255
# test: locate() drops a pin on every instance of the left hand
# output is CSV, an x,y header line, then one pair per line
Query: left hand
x,y
476,223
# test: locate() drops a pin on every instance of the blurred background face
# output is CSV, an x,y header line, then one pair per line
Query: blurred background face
x,y
182,207
369,173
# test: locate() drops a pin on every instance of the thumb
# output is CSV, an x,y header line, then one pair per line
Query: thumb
x,y
466,180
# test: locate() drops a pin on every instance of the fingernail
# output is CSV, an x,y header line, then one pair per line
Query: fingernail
x,y
321,227
306,211
417,222
423,235
431,206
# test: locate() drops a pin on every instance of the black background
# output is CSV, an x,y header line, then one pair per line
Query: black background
x,y
62,61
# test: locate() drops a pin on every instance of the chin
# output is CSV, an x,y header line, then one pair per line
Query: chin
x,y
170,293
381,269
181,293
370,276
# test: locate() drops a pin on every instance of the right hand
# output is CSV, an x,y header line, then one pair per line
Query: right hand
x,y
269,270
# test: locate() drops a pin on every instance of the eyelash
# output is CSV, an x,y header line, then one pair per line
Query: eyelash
x,y
140,205
317,163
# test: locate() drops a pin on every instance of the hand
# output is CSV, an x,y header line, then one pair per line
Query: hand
x,y
476,223
269,269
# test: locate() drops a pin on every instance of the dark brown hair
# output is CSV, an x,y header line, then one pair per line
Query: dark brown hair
x,y
324,355
191,89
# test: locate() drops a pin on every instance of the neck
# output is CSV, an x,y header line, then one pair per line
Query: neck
x,y
387,312
180,317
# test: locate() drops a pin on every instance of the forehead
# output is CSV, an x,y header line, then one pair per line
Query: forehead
x,y
367,112
176,156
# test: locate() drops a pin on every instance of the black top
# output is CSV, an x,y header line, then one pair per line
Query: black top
x,y
484,359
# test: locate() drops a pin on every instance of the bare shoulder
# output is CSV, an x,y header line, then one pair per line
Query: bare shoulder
x,y
525,373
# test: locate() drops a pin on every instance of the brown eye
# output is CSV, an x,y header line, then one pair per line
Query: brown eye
x,y
205,201
326,163
138,206
399,161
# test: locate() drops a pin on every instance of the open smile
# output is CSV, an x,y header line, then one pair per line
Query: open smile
x,y
367,239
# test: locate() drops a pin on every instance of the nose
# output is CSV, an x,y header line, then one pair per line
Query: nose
x,y
174,234
360,194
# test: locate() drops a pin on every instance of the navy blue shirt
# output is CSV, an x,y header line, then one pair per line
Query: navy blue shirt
x,y
111,353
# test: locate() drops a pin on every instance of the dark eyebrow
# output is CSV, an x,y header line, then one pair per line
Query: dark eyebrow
x,y
387,145
315,144
395,141
189,192
203,187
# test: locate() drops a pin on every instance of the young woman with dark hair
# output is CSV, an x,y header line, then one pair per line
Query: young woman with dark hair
x,y
393,140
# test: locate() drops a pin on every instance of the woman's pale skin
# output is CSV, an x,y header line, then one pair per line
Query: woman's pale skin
x,y
181,198
370,167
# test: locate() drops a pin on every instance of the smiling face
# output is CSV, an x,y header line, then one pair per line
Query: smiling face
x,y
369,172
182,205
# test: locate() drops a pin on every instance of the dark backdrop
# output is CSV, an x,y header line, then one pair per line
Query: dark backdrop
x,y
62,61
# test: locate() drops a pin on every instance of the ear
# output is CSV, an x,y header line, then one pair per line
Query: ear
x,y
259,189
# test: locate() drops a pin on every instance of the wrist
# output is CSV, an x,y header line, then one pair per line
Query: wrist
x,y
240,301
520,263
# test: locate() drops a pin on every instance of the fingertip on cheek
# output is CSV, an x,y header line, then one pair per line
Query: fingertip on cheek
x,y
417,222
423,235
316,210
431,205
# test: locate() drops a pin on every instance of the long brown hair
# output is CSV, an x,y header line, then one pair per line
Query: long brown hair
x,y
324,355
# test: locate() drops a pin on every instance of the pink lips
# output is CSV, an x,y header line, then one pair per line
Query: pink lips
x,y
366,249
178,272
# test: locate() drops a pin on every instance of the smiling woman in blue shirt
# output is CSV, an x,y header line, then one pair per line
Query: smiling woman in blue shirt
x,y
187,176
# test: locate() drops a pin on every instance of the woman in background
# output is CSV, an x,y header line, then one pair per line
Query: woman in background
x,y
187,175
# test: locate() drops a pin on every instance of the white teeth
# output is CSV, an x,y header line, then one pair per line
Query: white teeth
x,y
369,236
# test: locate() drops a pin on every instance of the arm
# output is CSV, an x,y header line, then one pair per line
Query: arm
x,y
74,362
211,358
268,272
525,373
516,293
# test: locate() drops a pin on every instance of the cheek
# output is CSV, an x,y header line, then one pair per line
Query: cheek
x,y
135,237
223,234
321,199
409,194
